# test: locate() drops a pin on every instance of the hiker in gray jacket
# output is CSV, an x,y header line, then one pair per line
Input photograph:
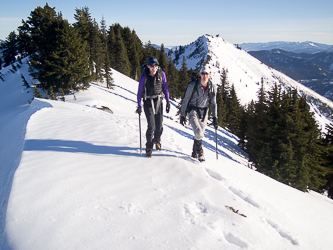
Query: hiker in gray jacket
x,y
199,94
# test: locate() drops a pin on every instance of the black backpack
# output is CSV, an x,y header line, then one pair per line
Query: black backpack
x,y
144,69
196,77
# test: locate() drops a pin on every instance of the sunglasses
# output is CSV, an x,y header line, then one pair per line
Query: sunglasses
x,y
153,65
205,73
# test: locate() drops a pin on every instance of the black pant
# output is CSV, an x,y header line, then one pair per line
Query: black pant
x,y
155,122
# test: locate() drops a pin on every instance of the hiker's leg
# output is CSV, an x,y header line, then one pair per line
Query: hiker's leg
x,y
158,124
196,124
151,124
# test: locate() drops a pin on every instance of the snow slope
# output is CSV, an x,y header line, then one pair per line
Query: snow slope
x,y
245,72
72,177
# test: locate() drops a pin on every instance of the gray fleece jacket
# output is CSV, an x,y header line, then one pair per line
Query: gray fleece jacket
x,y
200,98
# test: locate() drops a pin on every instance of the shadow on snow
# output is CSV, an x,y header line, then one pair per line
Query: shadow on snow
x,y
211,136
113,93
89,148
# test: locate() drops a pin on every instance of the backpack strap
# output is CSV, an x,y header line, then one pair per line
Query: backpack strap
x,y
144,95
144,69
196,89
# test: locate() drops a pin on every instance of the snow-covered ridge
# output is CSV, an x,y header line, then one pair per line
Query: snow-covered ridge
x,y
245,73
72,177
195,53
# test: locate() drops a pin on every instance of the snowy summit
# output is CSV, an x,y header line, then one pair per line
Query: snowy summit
x,y
72,177
246,73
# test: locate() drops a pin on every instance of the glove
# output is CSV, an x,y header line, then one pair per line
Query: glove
x,y
215,123
168,107
139,110
182,120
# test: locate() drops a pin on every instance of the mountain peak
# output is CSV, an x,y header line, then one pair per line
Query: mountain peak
x,y
245,72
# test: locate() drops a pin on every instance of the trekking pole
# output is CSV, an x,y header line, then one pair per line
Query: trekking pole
x,y
216,144
140,133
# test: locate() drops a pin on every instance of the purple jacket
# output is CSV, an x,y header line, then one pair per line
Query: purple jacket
x,y
142,83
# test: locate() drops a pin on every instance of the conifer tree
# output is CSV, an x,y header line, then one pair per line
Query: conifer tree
x,y
106,65
277,137
51,93
25,83
149,51
184,79
241,133
172,78
133,57
257,129
327,156
225,87
24,42
9,49
234,112
135,63
139,49
118,29
122,63
36,92
87,28
179,52
111,46
245,121
163,60
69,61
97,56
310,167
222,94
221,107
42,26
61,59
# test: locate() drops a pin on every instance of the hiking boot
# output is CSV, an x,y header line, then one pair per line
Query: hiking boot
x,y
158,146
201,157
149,152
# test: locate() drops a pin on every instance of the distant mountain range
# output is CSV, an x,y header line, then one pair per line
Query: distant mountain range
x,y
296,47
299,66
314,70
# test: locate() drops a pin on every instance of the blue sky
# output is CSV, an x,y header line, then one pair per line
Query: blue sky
x,y
182,22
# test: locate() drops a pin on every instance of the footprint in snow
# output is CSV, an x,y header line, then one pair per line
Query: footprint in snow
x,y
215,175
235,240
195,212
246,198
283,233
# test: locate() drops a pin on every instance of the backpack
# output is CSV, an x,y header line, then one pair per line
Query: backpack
x,y
144,68
195,77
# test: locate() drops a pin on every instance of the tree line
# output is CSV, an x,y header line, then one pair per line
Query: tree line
x,y
280,135
278,132
68,56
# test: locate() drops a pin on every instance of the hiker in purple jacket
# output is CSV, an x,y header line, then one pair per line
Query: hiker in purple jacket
x,y
152,88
